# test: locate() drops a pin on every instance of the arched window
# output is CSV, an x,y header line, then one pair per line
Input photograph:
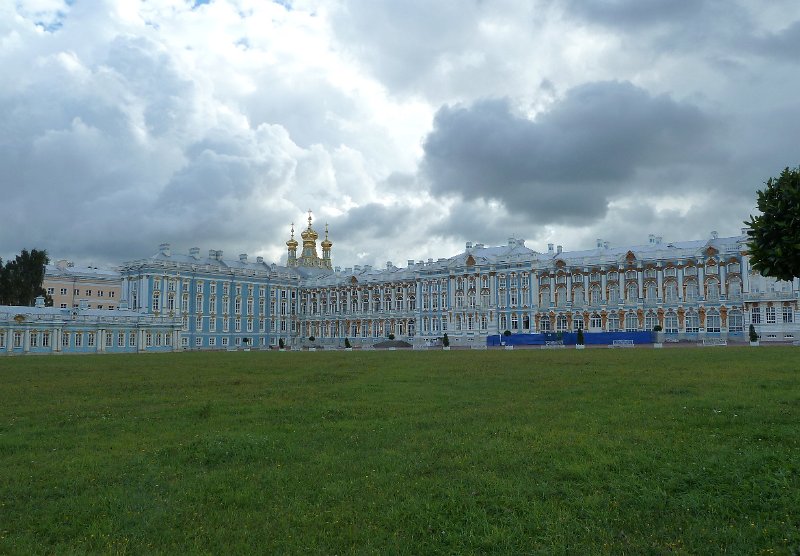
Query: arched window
x,y
526,322
544,297
594,296
712,321
712,290
671,291
632,292
692,323
671,323
651,291
691,290
735,289
612,324
613,293
561,323
595,322
544,324
577,323
578,296
561,296
650,320
631,322
735,321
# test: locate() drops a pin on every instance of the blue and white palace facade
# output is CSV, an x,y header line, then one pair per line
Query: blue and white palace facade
x,y
692,289
83,330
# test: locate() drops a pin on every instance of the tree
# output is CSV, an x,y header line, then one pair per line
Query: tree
x,y
753,334
21,279
445,340
774,235
347,343
579,339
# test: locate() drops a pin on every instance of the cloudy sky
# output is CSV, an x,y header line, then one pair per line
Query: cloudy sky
x,y
410,127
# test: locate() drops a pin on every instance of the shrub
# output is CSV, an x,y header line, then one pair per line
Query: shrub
x,y
507,333
311,338
446,340
391,336
281,344
580,336
347,343
753,334
657,328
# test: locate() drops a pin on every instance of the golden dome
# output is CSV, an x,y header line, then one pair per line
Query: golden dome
x,y
292,243
309,234
326,243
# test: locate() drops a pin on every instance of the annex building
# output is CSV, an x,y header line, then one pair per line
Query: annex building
x,y
692,289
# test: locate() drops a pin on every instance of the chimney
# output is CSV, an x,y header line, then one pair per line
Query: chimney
x,y
511,242
469,245
652,239
430,260
599,243
164,249
558,249
260,260
550,248
410,263
605,245
219,255
212,254
714,234
388,264
194,252
659,239
243,257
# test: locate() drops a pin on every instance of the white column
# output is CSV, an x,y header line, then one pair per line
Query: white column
x,y
701,278
745,274
534,291
57,340
603,285
723,273
101,340
680,282
640,280
552,288
26,340
660,280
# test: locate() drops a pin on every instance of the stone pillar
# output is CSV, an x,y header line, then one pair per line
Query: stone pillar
x,y
603,286
100,346
745,274
534,291
26,340
640,280
57,340
701,280
680,282
660,281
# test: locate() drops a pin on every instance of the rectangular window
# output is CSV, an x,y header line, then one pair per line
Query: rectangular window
x,y
148,339
109,339
212,324
88,293
788,314
17,339
100,293
34,339
224,342
132,339
237,324
755,315
90,339
50,291
198,324
65,339
2,339
63,291
212,342
770,315
78,339
111,294
121,339
198,342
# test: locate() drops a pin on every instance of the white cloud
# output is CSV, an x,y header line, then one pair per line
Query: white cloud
x,y
125,124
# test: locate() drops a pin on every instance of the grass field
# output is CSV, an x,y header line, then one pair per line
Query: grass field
x,y
579,452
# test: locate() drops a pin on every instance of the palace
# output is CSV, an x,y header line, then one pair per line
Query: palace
x,y
692,289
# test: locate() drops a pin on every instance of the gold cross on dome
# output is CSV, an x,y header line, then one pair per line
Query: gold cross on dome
x,y
309,218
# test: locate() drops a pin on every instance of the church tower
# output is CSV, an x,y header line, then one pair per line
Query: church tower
x,y
308,256
291,260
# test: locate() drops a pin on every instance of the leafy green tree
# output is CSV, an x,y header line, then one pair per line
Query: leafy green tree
x,y
445,340
774,235
21,279
579,339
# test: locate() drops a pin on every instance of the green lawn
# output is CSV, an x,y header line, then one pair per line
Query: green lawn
x,y
578,452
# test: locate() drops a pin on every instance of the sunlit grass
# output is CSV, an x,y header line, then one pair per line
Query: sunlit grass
x,y
595,451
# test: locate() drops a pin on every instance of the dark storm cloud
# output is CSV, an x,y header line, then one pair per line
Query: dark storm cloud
x,y
784,44
567,163
635,13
